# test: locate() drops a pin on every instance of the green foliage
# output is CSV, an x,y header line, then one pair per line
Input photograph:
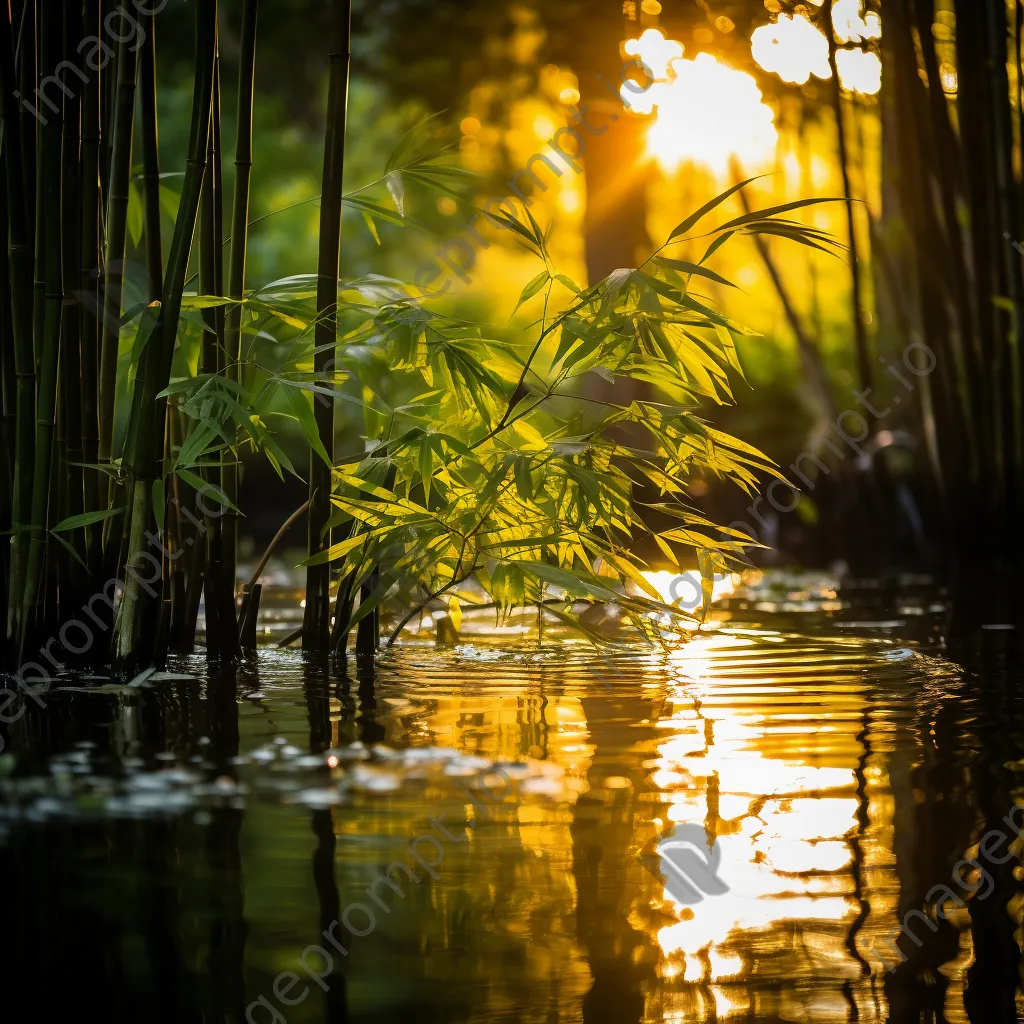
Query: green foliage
x,y
484,452
500,464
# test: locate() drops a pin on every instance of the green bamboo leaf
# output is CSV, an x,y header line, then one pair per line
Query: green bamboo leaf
x,y
523,478
193,302
70,549
206,488
532,288
686,267
682,228
397,189
99,467
85,519
426,465
307,420
716,245
371,224
409,141
773,211
567,581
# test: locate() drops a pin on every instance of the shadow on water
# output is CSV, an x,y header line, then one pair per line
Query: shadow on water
x,y
175,852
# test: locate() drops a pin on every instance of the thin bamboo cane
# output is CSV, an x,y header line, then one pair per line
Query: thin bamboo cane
x,y
89,291
70,470
108,98
151,161
38,257
145,451
864,364
116,237
221,622
239,243
20,262
1011,283
316,618
8,404
28,114
49,353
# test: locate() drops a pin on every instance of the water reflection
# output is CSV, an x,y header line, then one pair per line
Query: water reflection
x,y
841,778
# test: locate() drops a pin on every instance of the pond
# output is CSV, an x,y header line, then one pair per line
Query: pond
x,y
807,813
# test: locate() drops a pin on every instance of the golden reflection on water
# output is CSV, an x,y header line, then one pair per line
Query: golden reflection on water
x,y
782,748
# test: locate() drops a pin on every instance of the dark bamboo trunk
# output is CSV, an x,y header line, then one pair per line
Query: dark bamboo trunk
x,y
116,238
51,35
316,620
221,621
20,261
239,243
151,162
70,471
90,296
145,447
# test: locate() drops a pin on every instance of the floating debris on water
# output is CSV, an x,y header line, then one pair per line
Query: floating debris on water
x,y
79,787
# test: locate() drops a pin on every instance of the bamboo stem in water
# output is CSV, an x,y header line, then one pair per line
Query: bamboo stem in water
x,y
146,446
221,621
20,261
49,349
316,619
89,293
236,265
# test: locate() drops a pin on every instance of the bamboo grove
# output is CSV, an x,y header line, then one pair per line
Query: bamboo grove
x,y
948,260
85,435
466,452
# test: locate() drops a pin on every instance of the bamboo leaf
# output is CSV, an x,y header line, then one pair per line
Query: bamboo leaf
x,y
397,189
85,519
532,288
684,226
205,488
686,267
773,211
371,224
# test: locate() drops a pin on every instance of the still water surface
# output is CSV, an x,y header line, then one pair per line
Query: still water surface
x,y
173,852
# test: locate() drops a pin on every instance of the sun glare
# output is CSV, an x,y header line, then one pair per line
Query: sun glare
x,y
851,26
859,71
708,114
791,48
794,49
655,51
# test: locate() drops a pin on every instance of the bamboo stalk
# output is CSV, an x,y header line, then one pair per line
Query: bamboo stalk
x,y
1008,214
146,447
116,237
49,351
27,114
89,291
239,243
151,161
70,472
20,261
8,405
864,364
221,621
316,619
